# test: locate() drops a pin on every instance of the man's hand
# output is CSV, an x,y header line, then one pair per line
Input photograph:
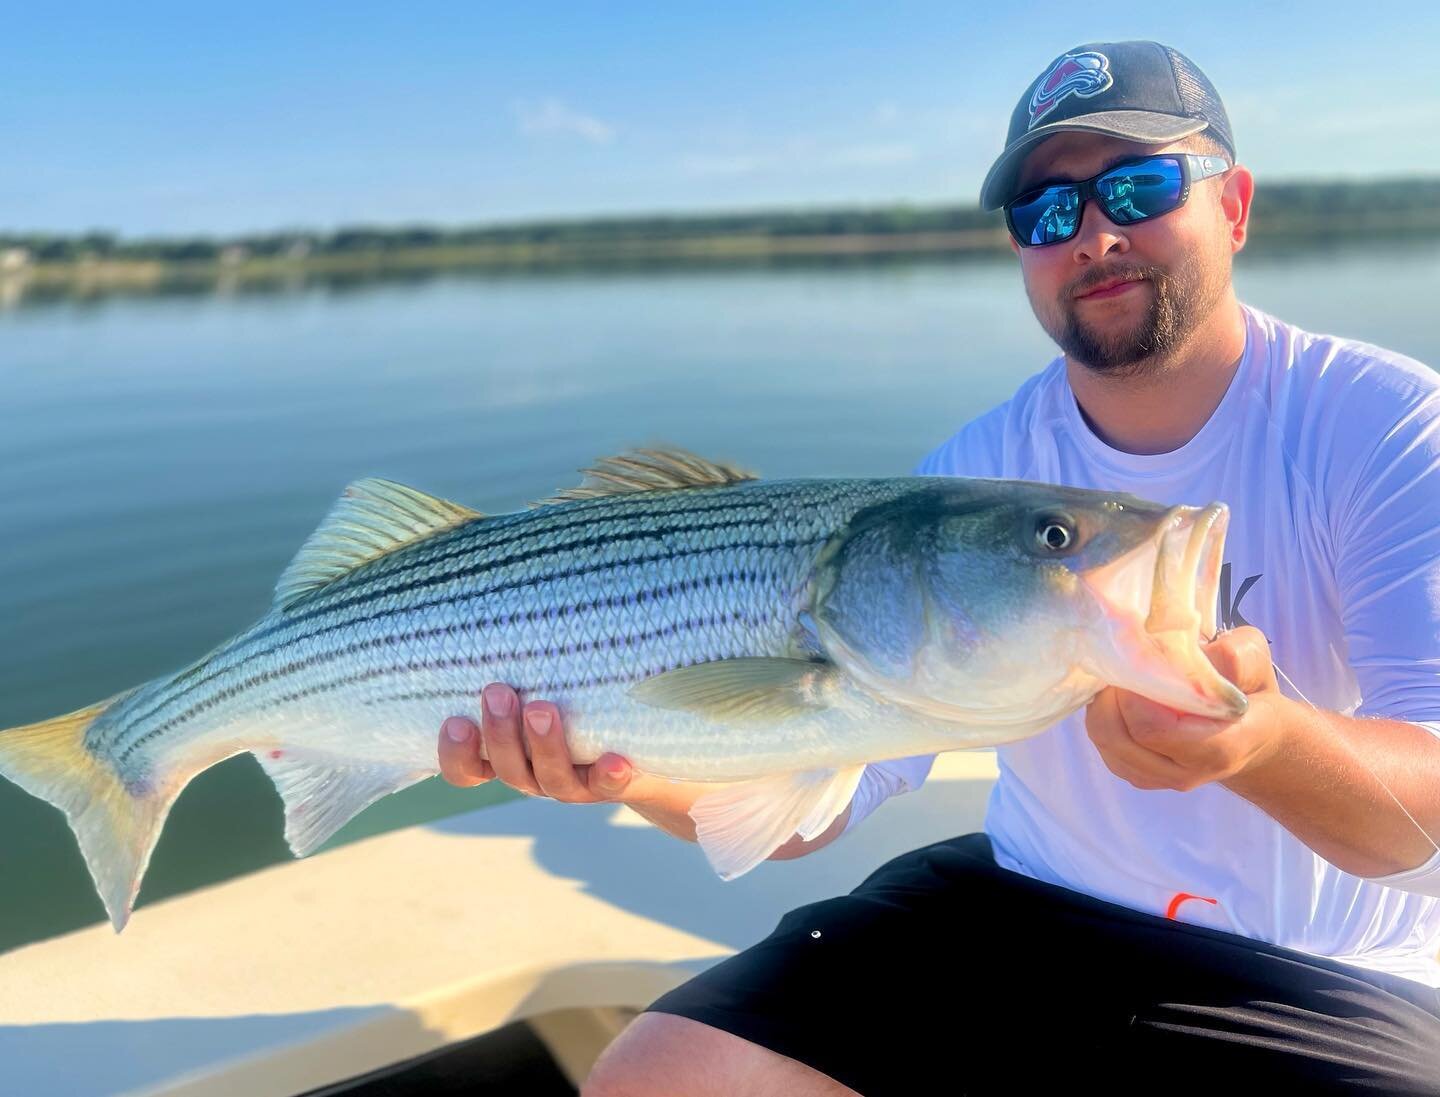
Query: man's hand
x,y
525,749
1154,747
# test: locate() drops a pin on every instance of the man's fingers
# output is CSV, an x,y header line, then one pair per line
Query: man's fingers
x,y
1242,656
460,761
609,777
500,729
550,757
525,747
1102,719
1105,722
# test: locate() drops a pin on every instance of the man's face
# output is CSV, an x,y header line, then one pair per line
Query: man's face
x,y
1119,299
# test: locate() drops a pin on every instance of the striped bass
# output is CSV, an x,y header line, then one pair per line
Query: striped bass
x,y
770,637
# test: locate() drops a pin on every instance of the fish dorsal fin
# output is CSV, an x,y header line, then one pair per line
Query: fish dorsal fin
x,y
372,518
660,469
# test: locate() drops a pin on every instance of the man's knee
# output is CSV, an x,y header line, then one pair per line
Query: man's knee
x,y
661,1055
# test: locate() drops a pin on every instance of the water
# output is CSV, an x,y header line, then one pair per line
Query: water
x,y
161,458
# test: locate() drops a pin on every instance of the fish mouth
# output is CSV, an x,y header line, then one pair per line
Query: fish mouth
x,y
1160,602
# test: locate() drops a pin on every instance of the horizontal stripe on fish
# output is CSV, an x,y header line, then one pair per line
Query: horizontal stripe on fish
x,y
476,539
728,580
357,595
349,594
721,550
521,528
618,642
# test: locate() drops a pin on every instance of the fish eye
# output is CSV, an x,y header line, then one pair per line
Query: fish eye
x,y
1054,533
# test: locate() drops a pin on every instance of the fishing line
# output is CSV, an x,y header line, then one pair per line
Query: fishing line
x,y
1355,753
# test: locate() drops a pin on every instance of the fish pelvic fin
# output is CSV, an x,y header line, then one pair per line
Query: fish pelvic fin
x,y
323,792
117,826
741,825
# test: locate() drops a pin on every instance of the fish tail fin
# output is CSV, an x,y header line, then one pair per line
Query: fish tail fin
x,y
116,825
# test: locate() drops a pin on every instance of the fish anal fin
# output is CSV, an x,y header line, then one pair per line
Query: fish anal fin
x,y
661,468
741,691
323,792
740,825
371,519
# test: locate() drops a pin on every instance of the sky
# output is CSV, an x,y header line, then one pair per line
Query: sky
x,y
185,118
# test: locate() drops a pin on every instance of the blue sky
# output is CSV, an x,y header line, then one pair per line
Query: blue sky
x,y
192,118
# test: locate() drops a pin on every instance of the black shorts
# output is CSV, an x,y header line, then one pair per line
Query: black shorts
x,y
927,979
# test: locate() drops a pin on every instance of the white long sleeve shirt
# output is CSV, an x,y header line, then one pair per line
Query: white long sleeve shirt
x,y
1328,454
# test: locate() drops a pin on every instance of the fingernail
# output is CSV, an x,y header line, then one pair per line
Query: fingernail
x,y
539,721
499,701
457,730
615,772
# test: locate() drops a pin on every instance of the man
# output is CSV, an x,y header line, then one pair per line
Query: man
x,y
1160,903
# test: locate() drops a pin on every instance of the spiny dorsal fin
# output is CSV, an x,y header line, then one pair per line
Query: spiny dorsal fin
x,y
372,518
662,469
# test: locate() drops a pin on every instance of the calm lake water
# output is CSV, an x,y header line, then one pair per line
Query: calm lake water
x,y
161,458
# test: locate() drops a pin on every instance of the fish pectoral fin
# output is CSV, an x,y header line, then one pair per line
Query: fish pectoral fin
x,y
740,691
372,518
323,792
741,825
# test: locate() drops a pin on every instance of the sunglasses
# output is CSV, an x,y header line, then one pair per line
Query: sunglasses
x,y
1127,194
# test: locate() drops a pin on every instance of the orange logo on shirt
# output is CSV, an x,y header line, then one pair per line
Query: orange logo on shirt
x,y
1183,897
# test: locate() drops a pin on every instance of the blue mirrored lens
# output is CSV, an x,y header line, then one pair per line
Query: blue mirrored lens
x,y
1137,191
1046,217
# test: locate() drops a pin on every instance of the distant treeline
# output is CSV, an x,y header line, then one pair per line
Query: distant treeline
x,y
372,239
1322,209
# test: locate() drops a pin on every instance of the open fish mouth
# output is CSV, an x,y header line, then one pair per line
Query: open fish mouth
x,y
1160,601
1187,570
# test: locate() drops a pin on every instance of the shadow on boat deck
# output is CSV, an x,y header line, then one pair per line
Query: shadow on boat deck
x,y
509,1062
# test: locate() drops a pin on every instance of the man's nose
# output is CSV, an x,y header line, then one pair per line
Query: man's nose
x,y
1098,235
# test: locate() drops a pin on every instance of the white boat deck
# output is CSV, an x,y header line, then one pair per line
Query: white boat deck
x,y
319,970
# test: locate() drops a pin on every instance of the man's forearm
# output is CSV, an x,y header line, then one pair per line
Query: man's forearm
x,y
1335,782
673,817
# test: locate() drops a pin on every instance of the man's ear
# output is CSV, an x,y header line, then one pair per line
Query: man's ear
x,y
1013,246
1235,200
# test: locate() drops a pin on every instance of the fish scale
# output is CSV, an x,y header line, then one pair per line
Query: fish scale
x,y
349,605
247,676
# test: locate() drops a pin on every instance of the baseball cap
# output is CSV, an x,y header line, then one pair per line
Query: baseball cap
x,y
1140,91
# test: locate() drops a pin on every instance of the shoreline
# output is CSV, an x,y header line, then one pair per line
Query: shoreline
x,y
92,273
117,273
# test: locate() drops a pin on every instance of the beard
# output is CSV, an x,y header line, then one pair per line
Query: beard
x,y
1179,303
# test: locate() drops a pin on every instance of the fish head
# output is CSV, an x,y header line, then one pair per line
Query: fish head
x,y
1008,603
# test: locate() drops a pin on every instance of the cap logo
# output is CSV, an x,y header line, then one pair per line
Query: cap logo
x,y
1082,74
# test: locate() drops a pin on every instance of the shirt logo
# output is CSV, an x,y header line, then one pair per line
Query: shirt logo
x,y
1082,74
1180,898
1230,616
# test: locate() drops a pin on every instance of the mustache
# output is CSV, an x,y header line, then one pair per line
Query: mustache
x,y
1130,273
